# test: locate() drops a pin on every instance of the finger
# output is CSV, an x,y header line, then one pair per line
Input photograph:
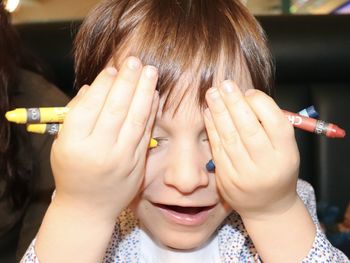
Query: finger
x,y
250,130
277,127
83,113
77,98
144,144
133,129
226,130
73,102
117,104
223,163
142,150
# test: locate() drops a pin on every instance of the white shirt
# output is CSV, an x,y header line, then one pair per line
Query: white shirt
x,y
152,252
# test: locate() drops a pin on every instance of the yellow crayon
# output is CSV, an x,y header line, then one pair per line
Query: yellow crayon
x,y
44,128
37,115
153,143
54,128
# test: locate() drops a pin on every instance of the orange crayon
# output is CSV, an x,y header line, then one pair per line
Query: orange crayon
x,y
316,126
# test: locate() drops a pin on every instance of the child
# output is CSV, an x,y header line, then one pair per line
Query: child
x,y
182,72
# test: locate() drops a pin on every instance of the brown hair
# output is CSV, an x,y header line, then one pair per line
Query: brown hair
x,y
176,36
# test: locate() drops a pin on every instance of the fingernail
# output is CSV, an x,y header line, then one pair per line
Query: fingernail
x,y
250,92
213,93
227,86
111,71
133,63
156,95
151,72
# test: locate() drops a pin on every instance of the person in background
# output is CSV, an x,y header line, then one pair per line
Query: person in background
x,y
26,180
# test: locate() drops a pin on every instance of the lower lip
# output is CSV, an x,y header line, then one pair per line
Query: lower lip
x,y
185,219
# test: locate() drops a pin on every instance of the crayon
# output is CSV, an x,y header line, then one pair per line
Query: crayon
x,y
309,112
57,114
210,166
316,126
37,115
45,128
22,115
54,128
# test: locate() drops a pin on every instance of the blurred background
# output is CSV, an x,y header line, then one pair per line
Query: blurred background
x,y
56,10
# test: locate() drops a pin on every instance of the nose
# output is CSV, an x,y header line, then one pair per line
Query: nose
x,y
186,170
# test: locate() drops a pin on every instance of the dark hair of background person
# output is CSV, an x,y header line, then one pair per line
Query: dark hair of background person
x,y
13,139
176,36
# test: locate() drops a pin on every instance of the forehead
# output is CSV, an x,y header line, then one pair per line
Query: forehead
x,y
181,108
188,120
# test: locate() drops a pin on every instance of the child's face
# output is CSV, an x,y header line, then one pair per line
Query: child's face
x,y
179,205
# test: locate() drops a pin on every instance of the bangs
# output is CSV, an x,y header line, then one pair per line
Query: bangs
x,y
192,49
195,44
187,67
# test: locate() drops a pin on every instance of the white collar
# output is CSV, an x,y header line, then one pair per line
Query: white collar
x,y
151,252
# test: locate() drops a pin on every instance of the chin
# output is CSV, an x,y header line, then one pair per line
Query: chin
x,y
184,241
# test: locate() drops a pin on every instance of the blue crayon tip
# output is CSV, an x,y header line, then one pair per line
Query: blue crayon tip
x,y
210,166
312,112
309,112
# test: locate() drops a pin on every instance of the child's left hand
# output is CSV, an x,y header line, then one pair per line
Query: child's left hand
x,y
254,149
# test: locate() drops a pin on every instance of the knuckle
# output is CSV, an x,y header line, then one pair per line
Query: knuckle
x,y
230,138
86,108
216,148
89,102
117,109
128,80
222,115
258,94
250,131
140,120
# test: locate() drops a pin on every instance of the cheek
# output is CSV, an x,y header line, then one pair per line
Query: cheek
x,y
155,165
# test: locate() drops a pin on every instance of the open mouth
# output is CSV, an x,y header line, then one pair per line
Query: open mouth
x,y
191,215
184,210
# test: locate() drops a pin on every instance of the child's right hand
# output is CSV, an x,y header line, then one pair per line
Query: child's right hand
x,y
99,156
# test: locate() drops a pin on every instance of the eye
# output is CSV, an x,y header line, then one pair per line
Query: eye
x,y
204,137
161,141
205,141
